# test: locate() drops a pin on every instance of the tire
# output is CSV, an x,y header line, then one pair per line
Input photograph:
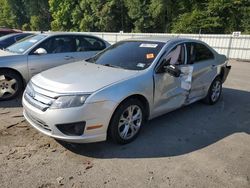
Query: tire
x,y
122,129
214,92
11,84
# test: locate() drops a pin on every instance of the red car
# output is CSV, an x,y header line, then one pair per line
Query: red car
x,y
5,31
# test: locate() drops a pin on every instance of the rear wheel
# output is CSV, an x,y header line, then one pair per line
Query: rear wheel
x,y
10,84
214,92
127,121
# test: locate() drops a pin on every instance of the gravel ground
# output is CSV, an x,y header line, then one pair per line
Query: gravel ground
x,y
195,146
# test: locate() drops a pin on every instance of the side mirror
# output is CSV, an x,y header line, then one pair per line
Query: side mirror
x,y
40,51
172,70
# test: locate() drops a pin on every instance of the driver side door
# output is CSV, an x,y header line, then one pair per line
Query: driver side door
x,y
59,50
171,92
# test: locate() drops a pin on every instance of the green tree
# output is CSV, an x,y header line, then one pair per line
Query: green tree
x,y
182,16
38,14
147,15
89,15
245,21
18,9
61,12
214,16
7,17
25,14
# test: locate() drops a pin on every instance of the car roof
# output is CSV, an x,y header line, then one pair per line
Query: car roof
x,y
63,33
163,39
17,34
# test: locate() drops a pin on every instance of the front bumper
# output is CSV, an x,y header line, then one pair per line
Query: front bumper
x,y
92,114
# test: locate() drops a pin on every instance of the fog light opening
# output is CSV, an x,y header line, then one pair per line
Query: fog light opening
x,y
72,129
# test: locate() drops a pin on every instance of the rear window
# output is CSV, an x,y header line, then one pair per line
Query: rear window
x,y
202,53
132,55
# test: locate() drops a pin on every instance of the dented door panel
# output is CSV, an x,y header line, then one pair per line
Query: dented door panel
x,y
168,93
203,74
171,92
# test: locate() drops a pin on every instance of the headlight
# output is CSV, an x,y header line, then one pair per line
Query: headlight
x,y
69,101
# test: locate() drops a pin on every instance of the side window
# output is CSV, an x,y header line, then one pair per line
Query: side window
x,y
176,56
85,43
198,52
58,44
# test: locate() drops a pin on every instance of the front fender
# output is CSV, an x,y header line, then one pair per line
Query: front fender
x,y
141,84
17,63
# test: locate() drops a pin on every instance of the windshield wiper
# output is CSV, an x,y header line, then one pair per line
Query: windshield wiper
x,y
115,66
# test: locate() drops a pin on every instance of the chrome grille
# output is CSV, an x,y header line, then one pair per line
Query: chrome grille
x,y
36,99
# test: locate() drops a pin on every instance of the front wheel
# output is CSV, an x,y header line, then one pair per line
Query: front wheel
x,y
10,84
214,92
127,121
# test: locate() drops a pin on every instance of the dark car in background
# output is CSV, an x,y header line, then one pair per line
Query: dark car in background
x,y
6,31
7,40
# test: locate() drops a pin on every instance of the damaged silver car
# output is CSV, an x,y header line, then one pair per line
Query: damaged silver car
x,y
115,92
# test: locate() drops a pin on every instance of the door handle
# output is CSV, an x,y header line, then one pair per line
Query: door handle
x,y
213,66
68,57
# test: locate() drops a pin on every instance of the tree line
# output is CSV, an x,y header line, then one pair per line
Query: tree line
x,y
181,16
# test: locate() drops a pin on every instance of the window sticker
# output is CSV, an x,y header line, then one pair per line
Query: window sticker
x,y
150,56
141,65
33,40
146,45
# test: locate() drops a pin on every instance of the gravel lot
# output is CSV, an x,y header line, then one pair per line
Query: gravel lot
x,y
195,146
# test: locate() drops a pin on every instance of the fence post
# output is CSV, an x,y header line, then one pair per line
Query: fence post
x,y
229,46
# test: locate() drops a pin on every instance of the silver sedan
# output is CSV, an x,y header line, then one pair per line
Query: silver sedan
x,y
21,61
115,92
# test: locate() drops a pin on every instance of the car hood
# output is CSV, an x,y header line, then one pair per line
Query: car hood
x,y
80,77
6,53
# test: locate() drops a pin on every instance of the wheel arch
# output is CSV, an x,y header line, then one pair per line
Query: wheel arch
x,y
139,97
16,72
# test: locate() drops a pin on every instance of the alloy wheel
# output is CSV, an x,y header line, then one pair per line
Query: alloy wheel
x,y
216,90
8,86
130,122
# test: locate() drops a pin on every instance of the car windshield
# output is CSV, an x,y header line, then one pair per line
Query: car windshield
x,y
132,55
25,44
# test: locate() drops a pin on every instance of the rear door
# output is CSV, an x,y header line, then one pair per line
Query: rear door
x,y
60,50
201,58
